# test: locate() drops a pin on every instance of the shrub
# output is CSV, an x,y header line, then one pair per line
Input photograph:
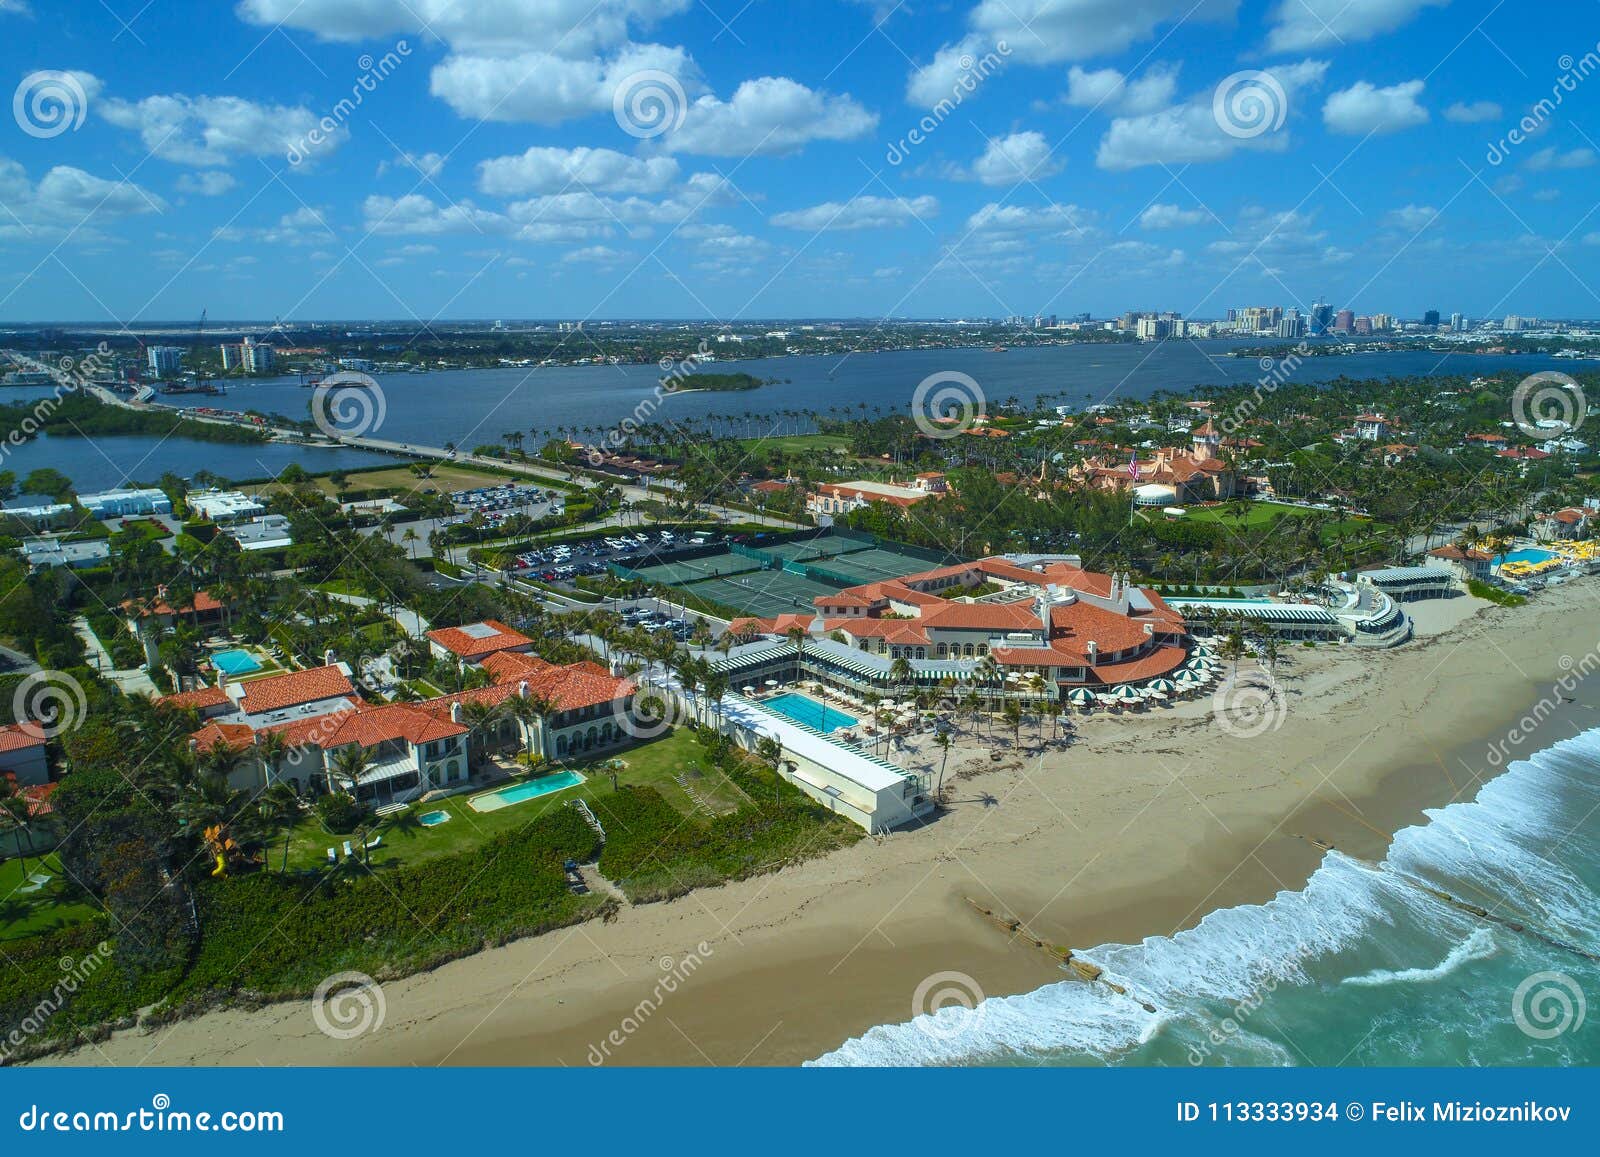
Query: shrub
x,y
340,813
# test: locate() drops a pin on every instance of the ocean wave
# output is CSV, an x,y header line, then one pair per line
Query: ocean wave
x,y
1479,946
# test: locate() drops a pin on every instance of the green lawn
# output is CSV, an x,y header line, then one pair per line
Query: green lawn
x,y
656,764
1258,514
802,443
55,907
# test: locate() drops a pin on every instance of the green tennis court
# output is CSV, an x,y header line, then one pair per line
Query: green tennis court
x,y
807,549
765,593
873,564
680,571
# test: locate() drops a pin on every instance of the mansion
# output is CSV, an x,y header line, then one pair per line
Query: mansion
x,y
1172,477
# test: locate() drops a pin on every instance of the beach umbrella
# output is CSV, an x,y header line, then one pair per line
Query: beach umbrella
x,y
749,688
1188,678
1080,697
1164,686
1203,652
1126,694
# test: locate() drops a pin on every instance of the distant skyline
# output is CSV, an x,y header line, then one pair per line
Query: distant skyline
x,y
711,160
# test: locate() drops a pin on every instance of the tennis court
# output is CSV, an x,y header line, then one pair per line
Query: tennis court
x,y
680,571
873,564
806,549
768,593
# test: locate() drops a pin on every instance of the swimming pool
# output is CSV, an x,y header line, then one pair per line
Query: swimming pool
x,y
1530,555
493,801
433,819
803,709
235,662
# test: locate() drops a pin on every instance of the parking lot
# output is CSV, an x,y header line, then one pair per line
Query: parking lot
x,y
565,562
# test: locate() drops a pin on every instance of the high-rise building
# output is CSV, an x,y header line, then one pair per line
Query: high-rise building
x,y
1292,325
1344,321
164,359
1458,324
1431,319
1363,325
257,358
1321,317
1512,323
232,357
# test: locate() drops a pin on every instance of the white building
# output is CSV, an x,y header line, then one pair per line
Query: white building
x,y
165,360
268,532
257,358
41,517
123,503
223,505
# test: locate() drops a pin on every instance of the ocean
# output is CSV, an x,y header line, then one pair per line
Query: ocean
x,y
1362,966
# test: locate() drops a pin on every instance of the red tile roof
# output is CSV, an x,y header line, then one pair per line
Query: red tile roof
x,y
21,736
274,692
457,641
203,601
199,699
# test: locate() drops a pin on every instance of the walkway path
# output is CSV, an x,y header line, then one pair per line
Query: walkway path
x,y
131,681
409,621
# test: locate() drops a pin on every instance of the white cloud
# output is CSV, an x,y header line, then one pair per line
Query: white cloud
x,y
1411,218
550,170
66,196
1171,217
1548,159
594,255
1016,158
858,213
1364,108
1299,25
304,226
768,116
1051,31
1108,89
417,215
543,87
211,131
1471,114
1190,132
426,165
1017,219
211,183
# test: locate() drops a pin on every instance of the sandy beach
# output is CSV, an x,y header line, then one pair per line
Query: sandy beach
x,y
1142,827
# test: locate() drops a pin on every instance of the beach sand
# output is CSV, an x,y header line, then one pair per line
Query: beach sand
x,y
1142,827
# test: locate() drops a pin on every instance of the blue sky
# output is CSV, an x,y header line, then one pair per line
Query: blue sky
x,y
720,159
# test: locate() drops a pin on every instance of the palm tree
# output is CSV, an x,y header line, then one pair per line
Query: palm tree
x,y
941,740
350,763
900,673
476,715
270,749
279,810
533,712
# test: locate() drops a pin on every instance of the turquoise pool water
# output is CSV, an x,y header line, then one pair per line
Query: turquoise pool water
x,y
235,662
433,819
805,710
1528,554
520,793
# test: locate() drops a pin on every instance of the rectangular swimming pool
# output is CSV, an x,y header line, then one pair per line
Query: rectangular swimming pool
x,y
803,709
235,662
493,801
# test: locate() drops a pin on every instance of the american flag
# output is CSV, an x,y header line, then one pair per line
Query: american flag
x,y
1133,466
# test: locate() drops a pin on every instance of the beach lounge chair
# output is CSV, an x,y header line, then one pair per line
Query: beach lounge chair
x,y
348,853
374,842
333,856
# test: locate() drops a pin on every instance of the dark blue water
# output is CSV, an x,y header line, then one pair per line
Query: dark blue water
x,y
473,407
1360,967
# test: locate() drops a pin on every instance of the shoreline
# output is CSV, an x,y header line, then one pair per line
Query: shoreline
x,y
1140,829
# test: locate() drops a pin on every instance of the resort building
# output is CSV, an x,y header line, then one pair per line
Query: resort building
x,y
1404,583
1563,525
406,749
1468,563
126,503
836,498
223,505
1042,623
1197,474
471,644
